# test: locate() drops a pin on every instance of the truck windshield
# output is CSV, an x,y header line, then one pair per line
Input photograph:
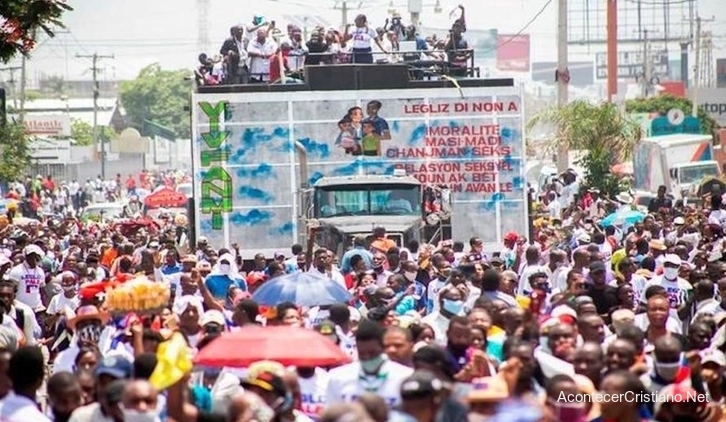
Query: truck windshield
x,y
388,199
694,174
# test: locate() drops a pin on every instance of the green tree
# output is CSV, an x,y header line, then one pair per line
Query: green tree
x,y
663,103
82,132
159,96
605,134
21,20
14,151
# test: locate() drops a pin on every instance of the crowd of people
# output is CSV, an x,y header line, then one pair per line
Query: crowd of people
x,y
260,52
46,196
588,321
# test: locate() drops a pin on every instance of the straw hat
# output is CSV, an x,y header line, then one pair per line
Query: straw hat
x,y
88,313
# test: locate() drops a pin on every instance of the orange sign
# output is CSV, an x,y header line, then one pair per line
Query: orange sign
x,y
165,198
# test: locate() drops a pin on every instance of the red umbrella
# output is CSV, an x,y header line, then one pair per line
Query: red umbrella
x,y
167,198
290,346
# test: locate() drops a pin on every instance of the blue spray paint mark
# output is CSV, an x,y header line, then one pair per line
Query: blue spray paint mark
x,y
509,160
506,134
395,127
205,225
518,182
263,170
252,218
320,149
315,177
489,204
417,135
365,166
253,137
284,230
200,175
248,192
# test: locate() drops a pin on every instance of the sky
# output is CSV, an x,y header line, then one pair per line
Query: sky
x,y
141,32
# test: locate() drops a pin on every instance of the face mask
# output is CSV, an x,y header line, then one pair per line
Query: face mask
x,y
410,276
453,306
132,415
670,273
667,371
70,288
569,412
224,268
377,265
371,366
89,333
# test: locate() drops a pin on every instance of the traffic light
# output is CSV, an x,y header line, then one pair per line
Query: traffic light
x,y
3,108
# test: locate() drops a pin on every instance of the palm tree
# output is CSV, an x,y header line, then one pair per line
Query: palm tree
x,y
601,130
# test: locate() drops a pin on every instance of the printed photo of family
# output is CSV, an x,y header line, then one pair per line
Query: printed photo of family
x,y
361,135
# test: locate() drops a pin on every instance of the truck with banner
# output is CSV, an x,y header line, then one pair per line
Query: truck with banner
x,y
431,163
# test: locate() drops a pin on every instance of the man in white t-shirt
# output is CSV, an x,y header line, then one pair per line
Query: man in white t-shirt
x,y
26,372
679,291
372,373
30,277
20,313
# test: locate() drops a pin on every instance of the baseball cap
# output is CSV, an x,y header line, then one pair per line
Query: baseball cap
x,y
202,239
213,316
584,238
713,355
420,384
33,249
496,261
597,266
672,259
487,389
115,366
657,245
511,237
266,381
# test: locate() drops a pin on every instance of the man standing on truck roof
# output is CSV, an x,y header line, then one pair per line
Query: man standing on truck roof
x,y
359,248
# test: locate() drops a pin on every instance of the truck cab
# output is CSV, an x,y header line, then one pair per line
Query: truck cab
x,y
347,206
686,177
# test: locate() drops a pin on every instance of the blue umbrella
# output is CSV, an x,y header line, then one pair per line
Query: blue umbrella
x,y
302,289
624,218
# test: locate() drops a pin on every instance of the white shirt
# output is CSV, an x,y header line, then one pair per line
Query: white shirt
x,y
89,413
60,302
363,38
525,273
260,66
30,280
438,323
347,383
638,282
677,292
313,391
30,324
15,408
334,275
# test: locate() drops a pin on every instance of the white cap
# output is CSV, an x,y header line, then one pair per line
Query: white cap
x,y
672,259
33,249
561,310
584,238
202,239
213,316
679,221
713,355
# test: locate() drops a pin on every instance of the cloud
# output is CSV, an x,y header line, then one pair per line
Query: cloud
x,y
252,218
248,192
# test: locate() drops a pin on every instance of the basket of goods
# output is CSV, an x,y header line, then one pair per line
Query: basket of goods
x,y
139,295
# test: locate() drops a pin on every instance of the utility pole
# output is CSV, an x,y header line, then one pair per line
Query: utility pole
x,y
562,76
11,82
23,71
697,50
95,57
612,48
646,65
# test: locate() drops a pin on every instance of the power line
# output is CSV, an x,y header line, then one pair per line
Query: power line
x,y
95,57
524,28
